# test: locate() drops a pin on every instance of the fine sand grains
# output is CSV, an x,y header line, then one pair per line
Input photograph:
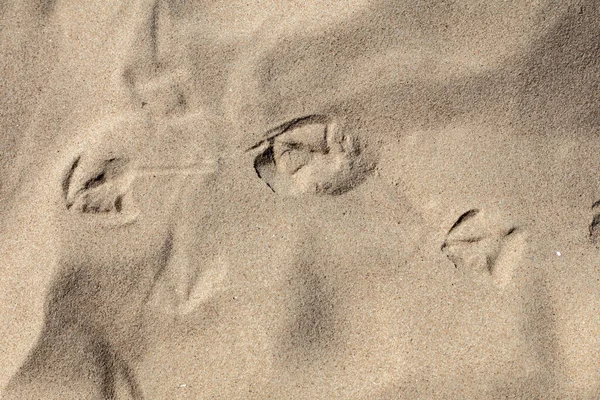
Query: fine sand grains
x,y
254,199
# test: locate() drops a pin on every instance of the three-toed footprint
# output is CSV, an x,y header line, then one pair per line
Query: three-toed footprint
x,y
114,153
484,244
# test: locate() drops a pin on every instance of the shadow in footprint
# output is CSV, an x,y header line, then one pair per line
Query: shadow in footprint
x,y
594,226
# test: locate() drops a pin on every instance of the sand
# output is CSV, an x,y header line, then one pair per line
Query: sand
x,y
299,200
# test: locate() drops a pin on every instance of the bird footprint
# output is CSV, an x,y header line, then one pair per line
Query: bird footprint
x,y
483,245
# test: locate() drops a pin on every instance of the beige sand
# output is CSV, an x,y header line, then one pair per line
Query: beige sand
x,y
299,200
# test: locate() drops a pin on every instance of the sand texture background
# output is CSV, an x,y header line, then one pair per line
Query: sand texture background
x,y
359,199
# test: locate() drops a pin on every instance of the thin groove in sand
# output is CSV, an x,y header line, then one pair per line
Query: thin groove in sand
x,y
204,168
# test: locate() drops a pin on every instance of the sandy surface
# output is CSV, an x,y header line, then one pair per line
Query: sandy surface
x,y
292,200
